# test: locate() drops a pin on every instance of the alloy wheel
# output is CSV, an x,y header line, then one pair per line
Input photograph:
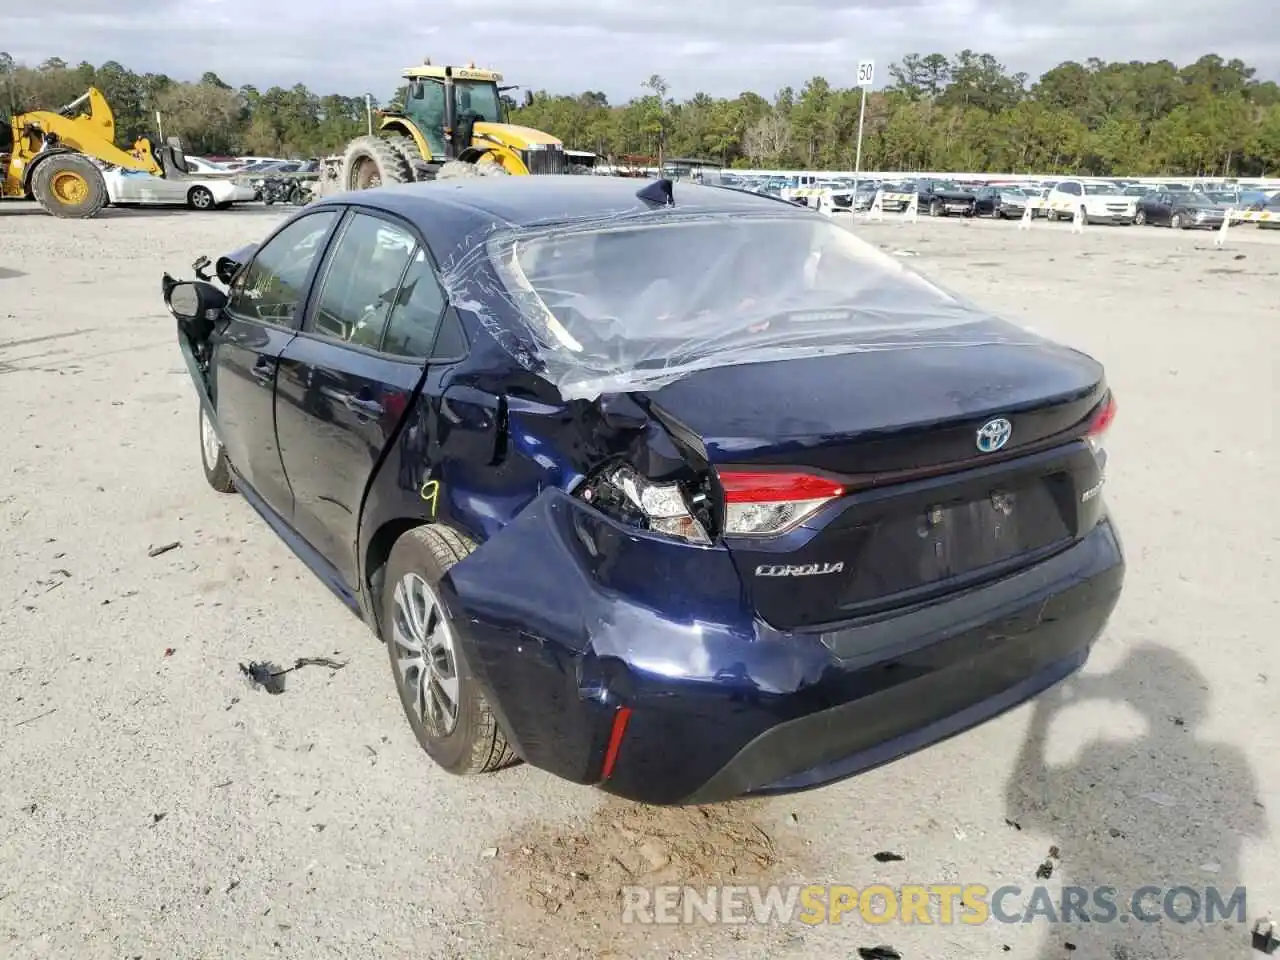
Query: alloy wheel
x,y
426,655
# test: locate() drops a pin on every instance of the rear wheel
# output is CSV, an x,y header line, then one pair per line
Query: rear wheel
x,y
935,208
1140,217
1176,221
68,185
200,198
443,702
217,468
371,162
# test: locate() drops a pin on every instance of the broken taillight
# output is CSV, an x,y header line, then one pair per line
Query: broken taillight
x,y
1099,423
765,503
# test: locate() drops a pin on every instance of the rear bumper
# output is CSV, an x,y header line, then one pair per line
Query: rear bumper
x,y
592,618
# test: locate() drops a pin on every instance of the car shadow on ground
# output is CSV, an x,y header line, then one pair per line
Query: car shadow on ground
x,y
1170,809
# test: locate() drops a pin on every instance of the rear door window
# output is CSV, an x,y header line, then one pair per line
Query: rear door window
x,y
273,287
361,278
416,317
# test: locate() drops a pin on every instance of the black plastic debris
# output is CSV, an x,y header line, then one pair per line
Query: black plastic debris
x,y
269,676
1264,937
1045,870
1012,823
164,548
878,953
1069,945
157,817
885,856
265,674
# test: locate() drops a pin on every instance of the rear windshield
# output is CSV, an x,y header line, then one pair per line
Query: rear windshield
x,y
1102,190
635,302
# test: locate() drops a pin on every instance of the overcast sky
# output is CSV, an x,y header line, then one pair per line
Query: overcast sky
x,y
717,46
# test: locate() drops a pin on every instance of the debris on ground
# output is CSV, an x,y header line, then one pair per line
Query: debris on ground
x,y
885,856
1266,936
170,651
157,817
270,676
878,953
1012,823
164,548
1045,870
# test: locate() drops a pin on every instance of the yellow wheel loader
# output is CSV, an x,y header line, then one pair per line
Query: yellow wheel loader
x,y
48,155
453,124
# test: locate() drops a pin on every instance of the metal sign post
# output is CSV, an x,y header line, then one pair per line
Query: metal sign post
x,y
866,77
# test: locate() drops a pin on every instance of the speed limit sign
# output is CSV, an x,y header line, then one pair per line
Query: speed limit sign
x,y
866,73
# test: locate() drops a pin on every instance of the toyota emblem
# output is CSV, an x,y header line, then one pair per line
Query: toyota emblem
x,y
994,434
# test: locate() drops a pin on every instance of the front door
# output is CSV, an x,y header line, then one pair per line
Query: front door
x,y
263,309
347,379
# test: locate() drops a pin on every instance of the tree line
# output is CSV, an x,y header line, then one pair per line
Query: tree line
x,y
965,112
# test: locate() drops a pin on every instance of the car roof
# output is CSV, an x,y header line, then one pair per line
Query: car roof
x,y
525,201
454,213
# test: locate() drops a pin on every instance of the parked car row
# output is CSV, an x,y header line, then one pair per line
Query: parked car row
x,y
1118,203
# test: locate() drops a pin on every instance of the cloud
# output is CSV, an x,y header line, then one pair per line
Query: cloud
x,y
715,46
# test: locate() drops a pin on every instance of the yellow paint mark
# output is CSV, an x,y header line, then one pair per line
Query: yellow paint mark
x,y
430,492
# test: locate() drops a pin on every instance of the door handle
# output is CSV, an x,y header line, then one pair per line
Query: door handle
x,y
365,408
264,371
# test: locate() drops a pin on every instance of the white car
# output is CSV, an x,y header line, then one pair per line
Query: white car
x,y
1100,202
200,165
136,187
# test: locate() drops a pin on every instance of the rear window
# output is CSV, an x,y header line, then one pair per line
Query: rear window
x,y
1102,190
638,301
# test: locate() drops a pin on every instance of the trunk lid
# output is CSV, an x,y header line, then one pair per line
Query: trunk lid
x,y
923,510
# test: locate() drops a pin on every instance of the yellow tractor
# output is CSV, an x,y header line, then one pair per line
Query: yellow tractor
x,y
46,154
453,124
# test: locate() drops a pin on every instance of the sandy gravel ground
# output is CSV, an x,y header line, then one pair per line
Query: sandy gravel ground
x,y
152,805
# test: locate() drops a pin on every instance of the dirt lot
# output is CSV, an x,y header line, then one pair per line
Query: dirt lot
x,y
153,805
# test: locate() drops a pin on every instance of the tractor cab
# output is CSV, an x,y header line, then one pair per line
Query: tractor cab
x,y
445,104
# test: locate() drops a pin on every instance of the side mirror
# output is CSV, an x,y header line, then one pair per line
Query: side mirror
x,y
194,301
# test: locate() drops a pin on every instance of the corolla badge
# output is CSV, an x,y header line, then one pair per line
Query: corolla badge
x,y
994,434
802,570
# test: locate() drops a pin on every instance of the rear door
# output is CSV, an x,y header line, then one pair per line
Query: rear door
x,y
264,306
347,379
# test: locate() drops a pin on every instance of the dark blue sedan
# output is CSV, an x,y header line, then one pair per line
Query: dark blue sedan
x,y
684,492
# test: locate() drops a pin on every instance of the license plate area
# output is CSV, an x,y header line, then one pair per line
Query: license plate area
x,y
904,551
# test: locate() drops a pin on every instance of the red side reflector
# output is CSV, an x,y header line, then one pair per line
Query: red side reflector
x,y
619,730
1105,416
749,486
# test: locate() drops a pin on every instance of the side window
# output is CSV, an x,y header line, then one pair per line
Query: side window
x,y
360,281
416,315
1071,188
271,289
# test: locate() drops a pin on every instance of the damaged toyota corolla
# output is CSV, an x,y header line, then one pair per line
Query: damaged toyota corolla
x,y
683,492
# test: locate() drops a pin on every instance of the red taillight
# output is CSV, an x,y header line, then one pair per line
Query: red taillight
x,y
761,503
747,486
1103,418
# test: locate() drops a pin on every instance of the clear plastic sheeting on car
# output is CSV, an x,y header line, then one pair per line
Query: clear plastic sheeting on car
x,y
638,301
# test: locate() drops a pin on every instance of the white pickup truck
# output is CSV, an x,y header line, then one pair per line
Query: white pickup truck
x,y
1101,202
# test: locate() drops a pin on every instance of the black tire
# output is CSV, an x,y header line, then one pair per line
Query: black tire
x,y
217,472
462,170
69,186
1175,221
935,208
200,198
371,162
1140,218
474,744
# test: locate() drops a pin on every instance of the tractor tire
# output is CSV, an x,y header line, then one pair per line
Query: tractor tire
x,y
69,186
460,169
371,162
